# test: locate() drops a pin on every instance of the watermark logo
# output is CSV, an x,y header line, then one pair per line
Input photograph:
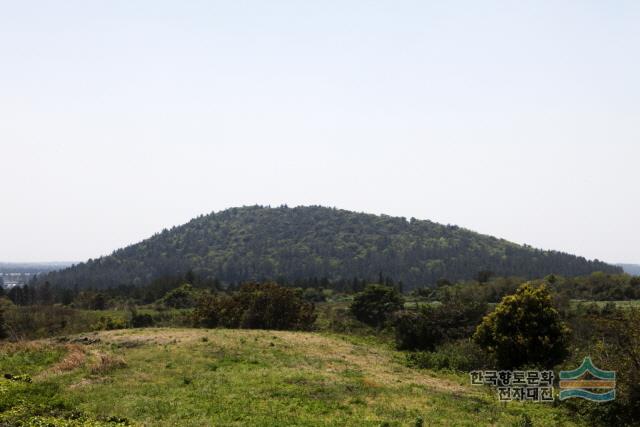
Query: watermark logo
x,y
585,382
581,382
533,386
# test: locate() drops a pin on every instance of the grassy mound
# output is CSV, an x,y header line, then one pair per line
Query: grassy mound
x,y
166,377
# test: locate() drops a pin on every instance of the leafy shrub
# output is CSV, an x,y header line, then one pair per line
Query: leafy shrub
x,y
430,326
141,320
313,295
184,296
414,331
46,321
270,306
524,329
109,323
338,318
375,304
207,311
616,348
461,356
525,421
99,302
256,306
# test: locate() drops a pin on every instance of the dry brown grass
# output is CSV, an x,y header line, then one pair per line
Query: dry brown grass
x,y
107,362
74,359
14,347
84,382
151,336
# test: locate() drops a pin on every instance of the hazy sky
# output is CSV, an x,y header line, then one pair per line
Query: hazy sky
x,y
516,119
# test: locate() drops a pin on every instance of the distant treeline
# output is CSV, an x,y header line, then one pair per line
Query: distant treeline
x,y
291,244
486,287
47,294
594,287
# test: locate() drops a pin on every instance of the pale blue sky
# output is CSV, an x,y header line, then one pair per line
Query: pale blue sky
x,y
516,119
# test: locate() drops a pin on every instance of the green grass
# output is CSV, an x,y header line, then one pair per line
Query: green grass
x,y
28,399
415,304
600,304
28,360
196,377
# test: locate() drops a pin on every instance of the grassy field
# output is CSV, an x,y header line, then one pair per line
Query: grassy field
x,y
199,377
620,304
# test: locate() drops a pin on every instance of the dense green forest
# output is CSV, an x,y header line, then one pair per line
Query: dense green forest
x,y
287,244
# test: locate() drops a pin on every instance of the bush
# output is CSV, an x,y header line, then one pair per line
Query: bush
x,y
430,326
525,421
98,302
207,311
461,356
257,306
314,295
109,324
182,297
44,321
524,329
616,348
414,331
338,318
375,304
141,320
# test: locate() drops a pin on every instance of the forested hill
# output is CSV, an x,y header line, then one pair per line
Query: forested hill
x,y
256,243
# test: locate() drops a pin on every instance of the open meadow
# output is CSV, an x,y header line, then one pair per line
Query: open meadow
x,y
198,377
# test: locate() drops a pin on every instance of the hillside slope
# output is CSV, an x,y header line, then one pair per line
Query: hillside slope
x,y
197,377
254,243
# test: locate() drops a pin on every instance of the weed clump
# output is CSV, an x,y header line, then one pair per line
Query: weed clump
x,y
107,363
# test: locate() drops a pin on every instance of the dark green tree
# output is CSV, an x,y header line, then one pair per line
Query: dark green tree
x,y
190,277
183,297
617,348
45,294
483,276
256,306
430,326
375,304
99,302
